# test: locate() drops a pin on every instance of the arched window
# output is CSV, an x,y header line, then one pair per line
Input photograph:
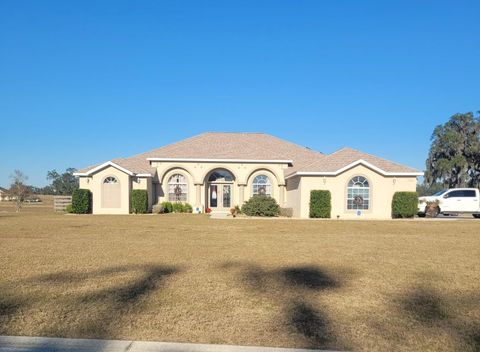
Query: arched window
x,y
220,175
261,186
177,188
358,193
110,179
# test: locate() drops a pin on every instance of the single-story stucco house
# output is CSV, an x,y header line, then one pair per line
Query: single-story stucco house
x,y
221,170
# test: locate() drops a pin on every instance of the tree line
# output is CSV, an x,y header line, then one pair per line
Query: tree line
x,y
60,184
454,157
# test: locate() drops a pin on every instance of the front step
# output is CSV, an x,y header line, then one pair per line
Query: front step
x,y
219,215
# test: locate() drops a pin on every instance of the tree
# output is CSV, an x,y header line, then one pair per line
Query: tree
x,y
454,157
18,189
63,184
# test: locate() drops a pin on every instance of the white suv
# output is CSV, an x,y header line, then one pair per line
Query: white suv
x,y
453,201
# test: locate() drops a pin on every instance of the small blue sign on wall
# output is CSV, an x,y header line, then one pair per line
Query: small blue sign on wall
x,y
359,212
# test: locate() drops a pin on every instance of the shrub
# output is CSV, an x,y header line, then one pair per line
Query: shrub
x,y
287,212
69,209
81,201
139,201
167,207
404,204
177,207
187,208
261,206
320,204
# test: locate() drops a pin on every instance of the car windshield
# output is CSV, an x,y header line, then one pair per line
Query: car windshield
x,y
439,193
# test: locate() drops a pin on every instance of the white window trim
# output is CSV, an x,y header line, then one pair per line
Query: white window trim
x,y
110,163
269,184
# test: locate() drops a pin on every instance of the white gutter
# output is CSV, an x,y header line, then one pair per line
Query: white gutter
x,y
222,160
99,167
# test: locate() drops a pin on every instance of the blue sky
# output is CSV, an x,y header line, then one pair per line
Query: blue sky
x,y
87,81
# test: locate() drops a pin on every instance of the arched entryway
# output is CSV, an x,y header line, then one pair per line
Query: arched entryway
x,y
219,190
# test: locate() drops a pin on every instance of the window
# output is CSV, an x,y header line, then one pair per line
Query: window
x,y
461,194
469,193
110,179
177,188
261,186
358,194
220,176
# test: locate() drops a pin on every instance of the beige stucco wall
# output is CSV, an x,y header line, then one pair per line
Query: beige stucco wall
x,y
94,184
127,183
382,189
196,174
297,195
293,196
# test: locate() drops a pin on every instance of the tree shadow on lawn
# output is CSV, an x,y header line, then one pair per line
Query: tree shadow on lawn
x,y
429,308
290,287
98,313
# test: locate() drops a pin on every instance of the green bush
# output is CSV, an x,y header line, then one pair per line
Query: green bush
x,y
320,204
82,201
69,209
167,207
139,201
177,207
404,204
187,208
261,206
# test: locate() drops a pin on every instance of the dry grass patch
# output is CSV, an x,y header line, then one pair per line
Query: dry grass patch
x,y
389,285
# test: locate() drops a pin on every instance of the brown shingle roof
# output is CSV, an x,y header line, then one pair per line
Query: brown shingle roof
x,y
241,146
254,146
346,156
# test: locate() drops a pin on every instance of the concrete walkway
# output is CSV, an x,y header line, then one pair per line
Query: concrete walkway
x,y
48,344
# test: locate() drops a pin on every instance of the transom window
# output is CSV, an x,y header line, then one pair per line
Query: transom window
x,y
110,179
261,186
220,176
358,194
177,188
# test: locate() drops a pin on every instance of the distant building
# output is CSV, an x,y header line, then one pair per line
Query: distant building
x,y
4,195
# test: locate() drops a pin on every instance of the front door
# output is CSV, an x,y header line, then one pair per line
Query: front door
x,y
220,197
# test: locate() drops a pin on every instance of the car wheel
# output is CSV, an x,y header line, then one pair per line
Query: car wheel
x,y
476,216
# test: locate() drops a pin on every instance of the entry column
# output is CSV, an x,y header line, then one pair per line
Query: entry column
x,y
281,200
198,191
241,194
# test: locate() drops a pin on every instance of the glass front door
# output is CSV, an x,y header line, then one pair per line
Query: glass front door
x,y
220,196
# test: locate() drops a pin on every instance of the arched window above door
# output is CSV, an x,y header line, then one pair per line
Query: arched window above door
x,y
220,175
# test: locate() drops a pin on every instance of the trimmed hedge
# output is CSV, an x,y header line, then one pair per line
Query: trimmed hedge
x,y
139,201
320,204
82,201
261,206
404,204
